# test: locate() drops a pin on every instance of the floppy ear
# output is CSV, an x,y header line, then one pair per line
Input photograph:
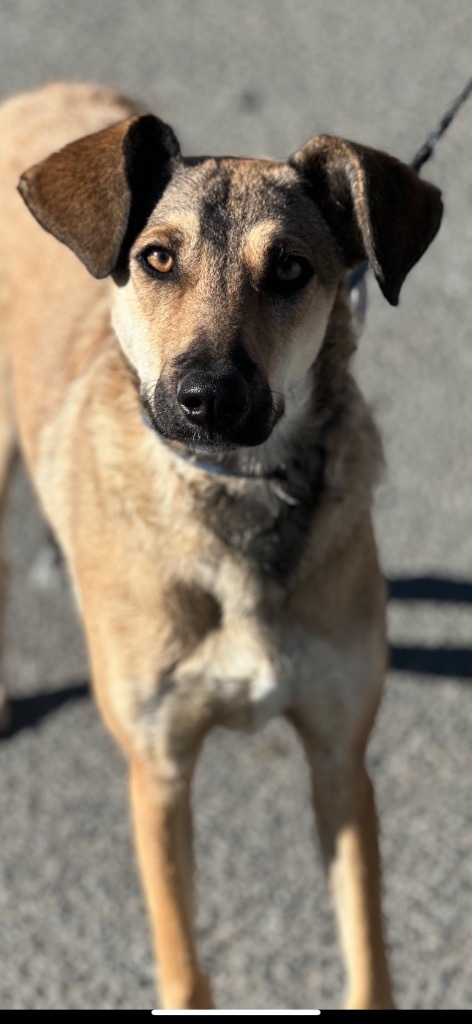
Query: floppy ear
x,y
96,194
377,208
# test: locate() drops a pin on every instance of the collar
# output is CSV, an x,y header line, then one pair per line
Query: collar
x,y
279,473
274,478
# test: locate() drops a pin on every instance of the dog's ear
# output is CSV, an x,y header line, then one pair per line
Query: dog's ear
x,y
96,194
377,207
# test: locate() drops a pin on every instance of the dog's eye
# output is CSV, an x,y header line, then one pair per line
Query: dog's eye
x,y
288,273
288,269
158,260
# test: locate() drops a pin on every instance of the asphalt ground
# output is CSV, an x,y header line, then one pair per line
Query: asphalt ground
x,y
259,78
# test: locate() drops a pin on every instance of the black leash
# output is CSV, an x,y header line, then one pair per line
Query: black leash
x,y
427,149
355,281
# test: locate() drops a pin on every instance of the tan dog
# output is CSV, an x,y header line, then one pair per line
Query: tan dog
x,y
229,572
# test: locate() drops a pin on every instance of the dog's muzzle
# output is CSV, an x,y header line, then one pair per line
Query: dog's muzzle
x,y
212,410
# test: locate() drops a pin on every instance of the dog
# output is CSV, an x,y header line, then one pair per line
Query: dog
x,y
177,373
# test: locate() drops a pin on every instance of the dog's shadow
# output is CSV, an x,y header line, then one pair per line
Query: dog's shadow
x,y
436,662
27,712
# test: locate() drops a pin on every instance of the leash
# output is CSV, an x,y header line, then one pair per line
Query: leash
x,y
356,285
427,149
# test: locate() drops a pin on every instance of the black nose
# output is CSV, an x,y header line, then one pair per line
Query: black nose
x,y
213,400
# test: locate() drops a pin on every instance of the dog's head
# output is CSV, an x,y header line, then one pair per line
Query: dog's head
x,y
225,269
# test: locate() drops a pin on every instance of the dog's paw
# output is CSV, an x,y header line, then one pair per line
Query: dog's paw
x,y
385,1003
198,998
203,998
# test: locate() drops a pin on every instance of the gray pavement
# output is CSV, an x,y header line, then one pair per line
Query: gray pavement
x,y
260,76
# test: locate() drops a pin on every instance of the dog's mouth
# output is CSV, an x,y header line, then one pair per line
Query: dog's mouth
x,y
206,419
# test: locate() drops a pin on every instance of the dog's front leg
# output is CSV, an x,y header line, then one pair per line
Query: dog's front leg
x,y
345,811
163,834
161,739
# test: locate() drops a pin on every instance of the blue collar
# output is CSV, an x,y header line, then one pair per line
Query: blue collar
x,y
191,459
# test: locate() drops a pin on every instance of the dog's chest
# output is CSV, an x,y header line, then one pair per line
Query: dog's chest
x,y
252,662
249,672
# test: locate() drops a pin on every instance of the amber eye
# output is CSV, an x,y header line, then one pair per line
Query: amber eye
x,y
288,269
287,273
160,260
